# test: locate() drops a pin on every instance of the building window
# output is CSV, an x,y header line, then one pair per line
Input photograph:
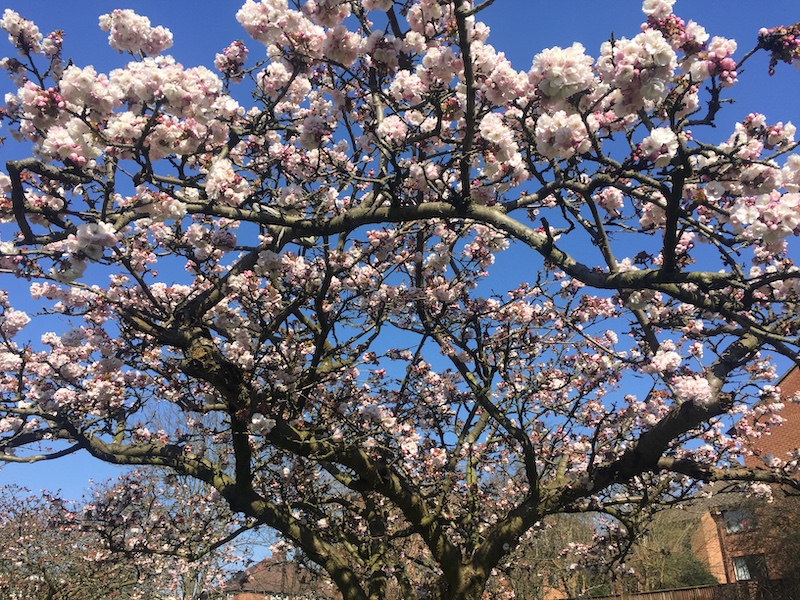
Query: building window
x,y
738,520
752,566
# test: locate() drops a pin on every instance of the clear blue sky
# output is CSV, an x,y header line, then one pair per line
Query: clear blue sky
x,y
520,28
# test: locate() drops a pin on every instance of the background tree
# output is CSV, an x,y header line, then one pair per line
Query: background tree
x,y
43,555
307,287
173,527
662,558
52,549
562,555
579,556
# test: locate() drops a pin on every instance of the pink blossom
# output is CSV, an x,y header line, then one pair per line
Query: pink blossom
x,y
439,66
665,360
342,46
409,444
129,32
314,131
11,424
393,130
22,33
768,217
762,491
498,80
782,44
92,238
719,53
261,424
501,137
231,60
561,135
561,73
695,34
13,321
272,23
383,50
638,70
660,146
657,9
653,215
407,86
611,200
222,183
125,127
142,434
74,141
163,207
263,20
328,13
73,338
790,174
438,457
86,87
692,388
10,361
69,269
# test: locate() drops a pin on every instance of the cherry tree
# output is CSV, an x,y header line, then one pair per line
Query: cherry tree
x,y
182,540
406,301
55,549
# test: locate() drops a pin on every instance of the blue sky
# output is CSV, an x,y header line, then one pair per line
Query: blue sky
x,y
520,28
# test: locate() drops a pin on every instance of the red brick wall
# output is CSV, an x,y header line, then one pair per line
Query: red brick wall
x,y
784,437
712,545
707,547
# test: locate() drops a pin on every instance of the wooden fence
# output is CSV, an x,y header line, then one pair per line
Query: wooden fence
x,y
742,590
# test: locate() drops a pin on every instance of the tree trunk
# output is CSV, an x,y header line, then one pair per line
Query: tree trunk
x,y
469,584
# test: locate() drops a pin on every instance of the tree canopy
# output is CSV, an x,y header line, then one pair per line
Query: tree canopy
x,y
55,549
405,301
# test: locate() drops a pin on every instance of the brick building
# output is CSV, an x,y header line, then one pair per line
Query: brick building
x,y
785,437
741,538
277,578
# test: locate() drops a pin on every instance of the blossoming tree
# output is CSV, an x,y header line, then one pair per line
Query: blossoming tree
x,y
306,286
56,549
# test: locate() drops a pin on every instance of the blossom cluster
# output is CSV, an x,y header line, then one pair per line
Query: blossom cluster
x,y
230,61
660,146
22,33
638,70
562,135
783,43
272,23
768,217
129,32
561,73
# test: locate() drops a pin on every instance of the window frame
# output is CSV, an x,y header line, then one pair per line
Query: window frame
x,y
750,567
739,520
